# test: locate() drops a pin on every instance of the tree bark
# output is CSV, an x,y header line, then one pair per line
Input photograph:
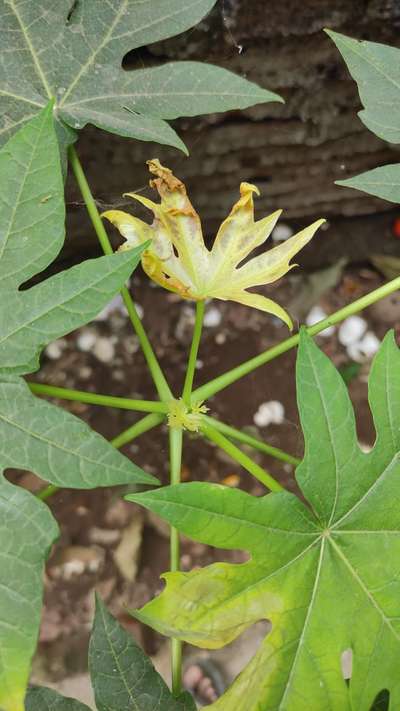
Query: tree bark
x,y
294,151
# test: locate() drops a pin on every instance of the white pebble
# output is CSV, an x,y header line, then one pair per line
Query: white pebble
x,y
364,349
86,340
281,232
352,330
55,350
116,304
318,314
212,318
269,413
104,350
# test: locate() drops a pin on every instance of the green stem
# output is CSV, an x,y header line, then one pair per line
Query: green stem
x,y
47,492
252,467
154,366
175,450
121,403
222,381
145,424
191,367
254,442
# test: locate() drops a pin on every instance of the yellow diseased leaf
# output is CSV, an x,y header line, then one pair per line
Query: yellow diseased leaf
x,y
178,260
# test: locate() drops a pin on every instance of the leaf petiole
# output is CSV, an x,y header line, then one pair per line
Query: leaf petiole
x,y
254,442
194,349
121,403
175,454
154,366
246,462
231,376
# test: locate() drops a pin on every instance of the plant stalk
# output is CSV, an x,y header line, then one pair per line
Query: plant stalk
x,y
194,349
254,442
175,453
160,382
121,403
231,376
252,467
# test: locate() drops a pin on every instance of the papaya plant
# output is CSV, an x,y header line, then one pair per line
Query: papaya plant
x,y
332,558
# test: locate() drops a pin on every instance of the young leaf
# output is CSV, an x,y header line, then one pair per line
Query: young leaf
x,y
327,577
56,445
73,52
40,698
375,69
123,677
27,530
32,218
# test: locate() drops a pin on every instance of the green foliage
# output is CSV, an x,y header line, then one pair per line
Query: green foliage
x,y
35,435
375,69
325,574
123,677
73,51
39,698
32,216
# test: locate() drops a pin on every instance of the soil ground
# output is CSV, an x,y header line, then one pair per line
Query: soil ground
x,y
112,546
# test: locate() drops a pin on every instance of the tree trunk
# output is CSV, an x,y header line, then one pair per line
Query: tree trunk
x,y
294,151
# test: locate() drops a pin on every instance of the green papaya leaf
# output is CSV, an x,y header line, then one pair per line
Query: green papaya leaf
x,y
123,677
375,68
31,235
325,573
56,445
73,51
63,450
27,530
40,698
384,182
35,435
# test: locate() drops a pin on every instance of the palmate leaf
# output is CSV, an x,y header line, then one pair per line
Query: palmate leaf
x,y
375,68
31,235
326,574
35,435
73,51
123,677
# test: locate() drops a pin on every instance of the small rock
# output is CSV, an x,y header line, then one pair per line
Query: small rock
x,y
351,330
269,413
281,232
212,317
55,349
104,536
86,340
388,309
116,304
104,350
127,554
85,372
131,344
365,348
118,514
220,339
76,560
318,314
